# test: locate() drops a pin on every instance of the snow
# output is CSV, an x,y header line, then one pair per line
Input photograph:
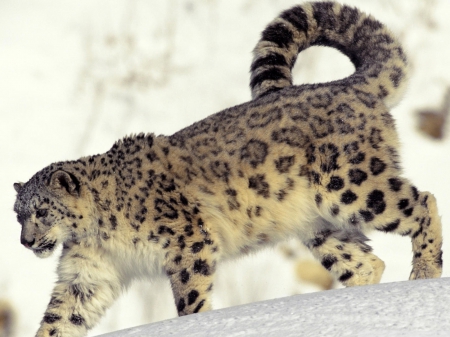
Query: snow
x,y
416,308
77,76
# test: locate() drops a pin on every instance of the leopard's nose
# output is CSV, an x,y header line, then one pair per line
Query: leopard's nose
x,y
27,243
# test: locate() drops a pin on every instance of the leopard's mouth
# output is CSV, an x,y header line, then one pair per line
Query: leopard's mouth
x,y
45,248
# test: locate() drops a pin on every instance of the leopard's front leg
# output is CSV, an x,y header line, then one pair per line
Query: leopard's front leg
x,y
86,287
190,265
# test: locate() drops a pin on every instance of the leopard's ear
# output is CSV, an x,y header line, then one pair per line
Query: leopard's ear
x,y
62,181
18,187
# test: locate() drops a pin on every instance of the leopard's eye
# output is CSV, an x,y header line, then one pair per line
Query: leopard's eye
x,y
20,219
40,213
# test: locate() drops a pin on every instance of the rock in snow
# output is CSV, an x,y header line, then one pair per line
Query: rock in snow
x,y
412,308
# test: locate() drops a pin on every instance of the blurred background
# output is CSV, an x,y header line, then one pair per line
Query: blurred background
x,y
75,76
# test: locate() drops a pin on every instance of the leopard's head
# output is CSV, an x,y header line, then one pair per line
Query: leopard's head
x,y
51,210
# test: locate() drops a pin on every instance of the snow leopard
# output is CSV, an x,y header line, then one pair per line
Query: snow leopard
x,y
317,162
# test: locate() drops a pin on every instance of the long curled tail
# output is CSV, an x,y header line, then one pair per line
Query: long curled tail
x,y
381,66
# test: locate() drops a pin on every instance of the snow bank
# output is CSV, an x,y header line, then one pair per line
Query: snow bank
x,y
414,308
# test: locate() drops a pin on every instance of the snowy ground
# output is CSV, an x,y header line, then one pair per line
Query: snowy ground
x,y
418,309
76,76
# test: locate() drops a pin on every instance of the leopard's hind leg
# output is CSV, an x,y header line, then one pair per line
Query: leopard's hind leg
x,y
392,205
408,212
418,218
346,255
427,240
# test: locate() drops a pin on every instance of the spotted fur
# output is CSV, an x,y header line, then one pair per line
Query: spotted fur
x,y
317,162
